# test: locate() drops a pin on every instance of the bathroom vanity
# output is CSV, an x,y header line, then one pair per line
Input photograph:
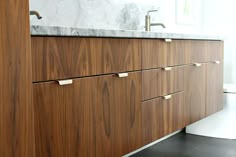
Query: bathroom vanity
x,y
104,93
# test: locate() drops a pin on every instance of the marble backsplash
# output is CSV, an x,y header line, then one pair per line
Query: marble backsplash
x,y
109,14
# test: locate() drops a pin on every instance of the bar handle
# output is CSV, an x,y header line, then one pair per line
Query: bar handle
x,y
167,97
65,82
121,75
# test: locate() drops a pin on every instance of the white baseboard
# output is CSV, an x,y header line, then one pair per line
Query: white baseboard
x,y
153,143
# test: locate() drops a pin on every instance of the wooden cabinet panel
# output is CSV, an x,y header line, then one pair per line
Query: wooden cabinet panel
x,y
16,108
64,119
159,82
97,116
154,53
62,57
118,115
162,117
215,50
158,53
179,52
195,93
214,90
199,51
174,108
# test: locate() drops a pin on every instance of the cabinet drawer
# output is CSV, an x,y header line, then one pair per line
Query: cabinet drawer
x,y
56,58
204,51
215,50
198,51
162,117
159,82
158,53
154,53
85,118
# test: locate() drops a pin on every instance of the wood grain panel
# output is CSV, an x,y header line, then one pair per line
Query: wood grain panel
x,y
61,57
64,119
153,120
154,53
118,115
195,93
178,52
96,116
174,109
214,92
199,51
159,82
215,50
188,51
158,53
16,110
162,117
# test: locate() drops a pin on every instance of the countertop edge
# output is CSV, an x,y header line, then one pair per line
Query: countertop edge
x,y
81,32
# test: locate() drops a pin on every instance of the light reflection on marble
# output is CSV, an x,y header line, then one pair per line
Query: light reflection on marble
x,y
80,32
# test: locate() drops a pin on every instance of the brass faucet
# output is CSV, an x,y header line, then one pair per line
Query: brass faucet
x,y
148,23
33,12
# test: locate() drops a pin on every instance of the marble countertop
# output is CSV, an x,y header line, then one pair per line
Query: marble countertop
x,y
79,32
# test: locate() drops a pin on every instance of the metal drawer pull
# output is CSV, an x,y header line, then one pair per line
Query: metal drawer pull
x,y
65,82
123,74
167,68
216,62
168,40
167,97
197,64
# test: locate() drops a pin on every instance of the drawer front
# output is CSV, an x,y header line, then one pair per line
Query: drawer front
x,y
56,58
204,51
154,53
198,51
158,53
179,52
162,117
159,82
215,50
88,116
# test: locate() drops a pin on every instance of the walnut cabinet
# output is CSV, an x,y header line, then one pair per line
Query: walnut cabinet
x,y
106,97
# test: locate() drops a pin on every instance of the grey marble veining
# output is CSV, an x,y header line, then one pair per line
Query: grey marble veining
x,y
81,32
113,14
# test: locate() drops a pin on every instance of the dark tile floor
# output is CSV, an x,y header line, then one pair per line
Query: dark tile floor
x,y
185,145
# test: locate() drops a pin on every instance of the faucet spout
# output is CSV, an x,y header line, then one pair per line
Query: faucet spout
x,y
33,12
158,24
148,22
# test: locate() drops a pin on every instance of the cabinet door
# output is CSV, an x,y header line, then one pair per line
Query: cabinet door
x,y
118,115
214,94
64,119
195,93
162,117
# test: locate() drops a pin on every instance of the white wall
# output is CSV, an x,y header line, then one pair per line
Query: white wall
x,y
112,14
219,19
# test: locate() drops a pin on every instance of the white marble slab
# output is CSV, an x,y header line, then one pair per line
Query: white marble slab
x,y
81,32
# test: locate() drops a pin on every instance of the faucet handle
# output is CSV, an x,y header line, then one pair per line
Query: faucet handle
x,y
150,11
